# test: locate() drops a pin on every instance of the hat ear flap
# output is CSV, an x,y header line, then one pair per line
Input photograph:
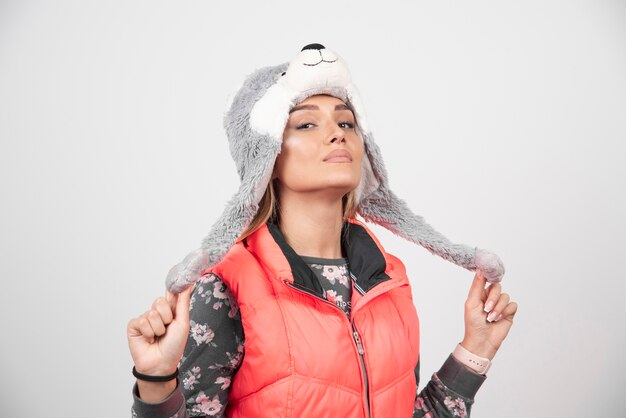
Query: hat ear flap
x,y
239,212
384,208
187,272
254,154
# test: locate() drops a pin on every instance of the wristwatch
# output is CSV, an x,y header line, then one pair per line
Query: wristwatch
x,y
479,364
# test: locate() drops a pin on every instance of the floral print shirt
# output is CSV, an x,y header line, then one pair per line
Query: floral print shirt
x,y
215,349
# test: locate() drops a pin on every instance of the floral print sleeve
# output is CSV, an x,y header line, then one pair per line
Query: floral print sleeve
x,y
450,392
213,354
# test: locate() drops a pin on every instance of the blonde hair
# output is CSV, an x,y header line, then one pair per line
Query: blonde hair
x,y
269,209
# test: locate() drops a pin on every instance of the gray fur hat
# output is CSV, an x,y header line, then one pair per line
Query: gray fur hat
x,y
254,123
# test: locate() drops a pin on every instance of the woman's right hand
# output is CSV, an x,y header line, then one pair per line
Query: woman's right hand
x,y
157,340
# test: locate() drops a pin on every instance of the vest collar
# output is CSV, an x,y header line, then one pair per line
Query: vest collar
x,y
365,256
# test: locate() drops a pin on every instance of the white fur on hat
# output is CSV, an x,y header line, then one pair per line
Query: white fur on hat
x,y
254,124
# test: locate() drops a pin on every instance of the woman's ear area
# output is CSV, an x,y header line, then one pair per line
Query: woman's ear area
x,y
275,169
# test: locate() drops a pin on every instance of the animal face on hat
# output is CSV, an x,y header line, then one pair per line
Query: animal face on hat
x,y
255,121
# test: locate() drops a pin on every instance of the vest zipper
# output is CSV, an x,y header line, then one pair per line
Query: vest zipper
x,y
355,336
361,351
357,339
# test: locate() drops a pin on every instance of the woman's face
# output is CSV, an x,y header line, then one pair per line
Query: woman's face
x,y
321,150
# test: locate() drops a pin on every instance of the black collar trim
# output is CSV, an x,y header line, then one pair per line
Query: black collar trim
x,y
365,260
367,263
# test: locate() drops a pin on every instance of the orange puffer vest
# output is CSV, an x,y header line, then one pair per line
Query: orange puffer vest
x,y
303,356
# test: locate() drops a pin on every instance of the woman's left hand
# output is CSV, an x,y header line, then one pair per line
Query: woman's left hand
x,y
488,317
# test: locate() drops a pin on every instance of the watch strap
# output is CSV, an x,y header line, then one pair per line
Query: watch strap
x,y
479,364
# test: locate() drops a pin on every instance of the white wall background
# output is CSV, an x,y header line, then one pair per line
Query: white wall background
x,y
502,123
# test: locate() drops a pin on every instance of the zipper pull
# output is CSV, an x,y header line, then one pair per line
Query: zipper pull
x,y
359,346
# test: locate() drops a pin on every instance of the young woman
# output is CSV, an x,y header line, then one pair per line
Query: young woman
x,y
306,315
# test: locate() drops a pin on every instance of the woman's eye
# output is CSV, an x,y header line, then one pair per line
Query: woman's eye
x,y
346,125
304,125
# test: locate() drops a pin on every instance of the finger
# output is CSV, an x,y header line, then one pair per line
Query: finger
x,y
164,309
182,305
143,328
133,328
509,311
477,287
502,302
154,318
493,294
171,298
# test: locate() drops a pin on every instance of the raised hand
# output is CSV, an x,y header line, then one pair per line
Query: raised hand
x,y
488,317
157,340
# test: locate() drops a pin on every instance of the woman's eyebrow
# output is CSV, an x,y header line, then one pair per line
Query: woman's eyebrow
x,y
342,107
315,107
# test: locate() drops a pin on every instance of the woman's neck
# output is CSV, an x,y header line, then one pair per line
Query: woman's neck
x,y
311,224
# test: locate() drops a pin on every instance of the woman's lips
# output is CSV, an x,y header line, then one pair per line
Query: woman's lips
x,y
338,156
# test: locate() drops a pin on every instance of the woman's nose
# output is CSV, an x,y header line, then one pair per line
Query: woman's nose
x,y
336,135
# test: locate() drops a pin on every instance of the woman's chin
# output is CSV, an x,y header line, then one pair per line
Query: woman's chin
x,y
343,185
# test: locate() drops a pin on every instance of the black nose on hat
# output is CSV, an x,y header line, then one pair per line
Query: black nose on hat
x,y
313,46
